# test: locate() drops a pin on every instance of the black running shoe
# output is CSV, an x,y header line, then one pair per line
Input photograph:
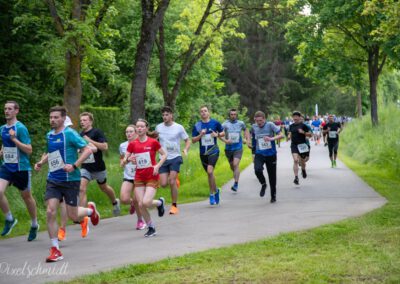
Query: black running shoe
x,y
161,208
263,188
296,181
273,199
303,173
151,232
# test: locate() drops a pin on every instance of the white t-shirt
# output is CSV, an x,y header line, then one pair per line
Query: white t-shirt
x,y
170,138
129,169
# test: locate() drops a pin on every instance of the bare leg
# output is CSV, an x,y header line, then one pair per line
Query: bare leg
x,y
211,179
82,192
109,191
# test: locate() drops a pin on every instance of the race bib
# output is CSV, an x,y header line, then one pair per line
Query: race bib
x,y
10,155
143,160
55,161
171,147
332,134
89,160
130,169
264,145
207,140
234,137
303,148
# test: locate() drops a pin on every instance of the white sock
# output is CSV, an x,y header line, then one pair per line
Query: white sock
x,y
9,216
89,211
54,243
34,223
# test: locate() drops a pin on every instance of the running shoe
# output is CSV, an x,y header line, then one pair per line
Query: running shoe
x,y
216,195
263,188
117,208
95,217
273,199
296,180
140,225
61,234
334,163
8,226
55,255
132,209
326,144
161,208
174,210
33,233
150,232
234,187
85,227
212,199
303,173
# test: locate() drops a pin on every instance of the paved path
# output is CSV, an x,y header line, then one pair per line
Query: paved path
x,y
326,196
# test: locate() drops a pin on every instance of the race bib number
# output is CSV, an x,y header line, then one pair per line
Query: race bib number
x,y
143,160
55,161
332,134
207,140
10,155
303,148
89,160
234,137
130,169
171,147
264,145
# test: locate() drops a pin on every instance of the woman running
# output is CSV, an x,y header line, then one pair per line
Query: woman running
x,y
127,195
142,152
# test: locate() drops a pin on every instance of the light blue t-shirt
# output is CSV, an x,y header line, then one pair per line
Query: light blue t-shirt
x,y
265,148
63,149
233,131
15,159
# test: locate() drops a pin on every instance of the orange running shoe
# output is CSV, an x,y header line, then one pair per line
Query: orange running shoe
x,y
55,255
85,227
61,234
174,210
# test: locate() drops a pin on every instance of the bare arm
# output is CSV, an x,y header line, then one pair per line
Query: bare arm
x,y
163,155
26,148
187,146
102,146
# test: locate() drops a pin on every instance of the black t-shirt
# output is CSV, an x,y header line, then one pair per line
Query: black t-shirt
x,y
298,138
96,165
334,127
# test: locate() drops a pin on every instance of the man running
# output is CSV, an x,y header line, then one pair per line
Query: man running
x,y
170,135
63,179
298,133
315,126
206,131
94,167
234,144
332,130
16,169
264,134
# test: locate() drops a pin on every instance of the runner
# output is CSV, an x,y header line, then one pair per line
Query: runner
x,y
234,143
287,123
147,177
127,187
16,169
323,123
206,131
63,179
170,135
94,167
263,139
278,122
332,130
298,132
315,126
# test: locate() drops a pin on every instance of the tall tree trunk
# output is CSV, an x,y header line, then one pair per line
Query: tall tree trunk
x,y
359,103
73,86
373,73
150,24
163,67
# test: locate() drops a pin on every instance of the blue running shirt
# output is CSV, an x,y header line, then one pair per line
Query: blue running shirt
x,y
208,144
233,130
15,159
63,149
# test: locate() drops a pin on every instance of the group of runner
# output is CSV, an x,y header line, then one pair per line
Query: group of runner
x,y
69,173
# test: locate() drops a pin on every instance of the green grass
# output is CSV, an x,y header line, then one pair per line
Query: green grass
x,y
360,250
194,187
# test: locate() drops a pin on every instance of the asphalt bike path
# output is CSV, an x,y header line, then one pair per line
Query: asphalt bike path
x,y
326,196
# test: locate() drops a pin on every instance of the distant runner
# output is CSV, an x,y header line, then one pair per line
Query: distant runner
x,y
332,130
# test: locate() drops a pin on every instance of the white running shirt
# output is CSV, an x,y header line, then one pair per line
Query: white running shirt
x,y
170,138
129,169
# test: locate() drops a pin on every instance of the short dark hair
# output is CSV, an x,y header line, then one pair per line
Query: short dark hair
x,y
296,112
259,114
61,109
232,109
166,109
16,105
